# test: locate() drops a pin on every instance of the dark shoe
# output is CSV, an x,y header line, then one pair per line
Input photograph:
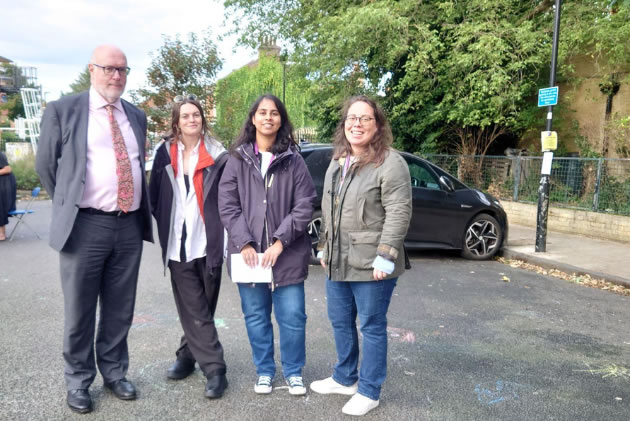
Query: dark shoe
x,y
180,369
123,389
79,400
215,386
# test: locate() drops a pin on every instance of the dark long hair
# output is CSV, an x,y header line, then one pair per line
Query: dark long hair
x,y
177,106
284,137
378,147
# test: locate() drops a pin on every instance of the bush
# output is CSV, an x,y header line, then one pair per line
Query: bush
x,y
614,196
24,171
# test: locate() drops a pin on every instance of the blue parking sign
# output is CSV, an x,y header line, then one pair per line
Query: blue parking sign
x,y
547,96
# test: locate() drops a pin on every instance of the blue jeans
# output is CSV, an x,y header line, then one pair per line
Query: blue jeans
x,y
370,301
289,308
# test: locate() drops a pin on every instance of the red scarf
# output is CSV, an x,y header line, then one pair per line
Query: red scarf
x,y
205,160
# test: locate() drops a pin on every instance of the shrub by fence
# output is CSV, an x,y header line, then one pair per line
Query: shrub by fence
x,y
592,184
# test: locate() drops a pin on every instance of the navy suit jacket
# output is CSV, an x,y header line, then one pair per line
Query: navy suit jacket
x,y
62,157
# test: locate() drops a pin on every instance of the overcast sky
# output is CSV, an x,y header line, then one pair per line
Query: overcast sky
x,y
57,37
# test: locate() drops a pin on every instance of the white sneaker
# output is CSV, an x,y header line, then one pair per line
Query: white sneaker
x,y
359,405
296,386
263,385
328,386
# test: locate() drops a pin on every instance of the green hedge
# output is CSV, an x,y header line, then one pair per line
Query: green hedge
x,y
24,171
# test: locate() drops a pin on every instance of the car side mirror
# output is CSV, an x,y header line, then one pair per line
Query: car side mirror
x,y
446,184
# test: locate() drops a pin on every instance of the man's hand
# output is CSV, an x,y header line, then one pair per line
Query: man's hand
x,y
249,256
323,263
271,254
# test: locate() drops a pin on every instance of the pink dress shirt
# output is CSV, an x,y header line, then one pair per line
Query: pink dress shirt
x,y
101,182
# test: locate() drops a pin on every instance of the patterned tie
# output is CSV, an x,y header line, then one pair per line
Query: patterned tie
x,y
123,164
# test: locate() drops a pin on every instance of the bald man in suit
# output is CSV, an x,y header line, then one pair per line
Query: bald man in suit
x,y
90,160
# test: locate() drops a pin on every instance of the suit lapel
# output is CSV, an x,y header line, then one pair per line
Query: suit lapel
x,y
137,128
82,110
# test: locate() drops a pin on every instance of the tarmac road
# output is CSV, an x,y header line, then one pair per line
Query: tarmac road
x,y
465,344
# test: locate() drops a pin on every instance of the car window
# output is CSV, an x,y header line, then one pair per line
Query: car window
x,y
421,176
456,183
317,162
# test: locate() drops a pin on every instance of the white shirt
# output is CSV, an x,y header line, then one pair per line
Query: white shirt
x,y
187,209
265,161
101,181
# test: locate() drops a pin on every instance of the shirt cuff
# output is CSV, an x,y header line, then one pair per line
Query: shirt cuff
x,y
320,254
383,265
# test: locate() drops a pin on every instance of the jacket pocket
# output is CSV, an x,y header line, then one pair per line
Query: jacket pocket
x,y
362,248
361,211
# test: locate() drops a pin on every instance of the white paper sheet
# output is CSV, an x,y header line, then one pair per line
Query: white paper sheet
x,y
546,164
244,274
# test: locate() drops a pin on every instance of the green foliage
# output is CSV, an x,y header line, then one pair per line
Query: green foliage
x,y
582,142
24,171
441,65
614,195
618,128
178,68
9,136
447,71
596,29
81,83
236,92
14,105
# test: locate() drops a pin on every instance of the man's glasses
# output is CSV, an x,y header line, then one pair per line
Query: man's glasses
x,y
364,119
109,70
180,98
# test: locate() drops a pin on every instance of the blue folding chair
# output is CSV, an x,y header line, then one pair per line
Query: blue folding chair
x,y
21,214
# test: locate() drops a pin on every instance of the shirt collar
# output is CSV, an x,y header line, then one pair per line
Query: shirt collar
x,y
195,150
97,101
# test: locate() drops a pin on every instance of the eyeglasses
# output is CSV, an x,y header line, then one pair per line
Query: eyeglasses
x,y
180,98
351,119
109,70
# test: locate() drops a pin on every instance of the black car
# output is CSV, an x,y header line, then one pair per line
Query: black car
x,y
446,213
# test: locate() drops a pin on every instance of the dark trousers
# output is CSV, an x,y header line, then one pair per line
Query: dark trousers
x,y
196,294
99,263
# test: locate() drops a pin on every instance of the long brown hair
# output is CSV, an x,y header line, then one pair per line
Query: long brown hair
x,y
378,147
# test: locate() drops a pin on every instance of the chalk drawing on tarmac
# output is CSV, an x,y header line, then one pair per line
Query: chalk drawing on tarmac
x,y
401,335
608,370
141,320
502,392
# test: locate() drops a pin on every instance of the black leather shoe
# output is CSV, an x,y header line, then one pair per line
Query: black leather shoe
x,y
123,389
181,369
79,400
215,386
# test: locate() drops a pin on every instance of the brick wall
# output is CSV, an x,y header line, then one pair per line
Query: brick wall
x,y
591,224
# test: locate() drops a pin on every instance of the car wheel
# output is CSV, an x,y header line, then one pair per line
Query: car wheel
x,y
313,230
483,238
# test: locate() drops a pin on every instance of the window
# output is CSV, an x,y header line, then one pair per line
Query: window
x,y
422,176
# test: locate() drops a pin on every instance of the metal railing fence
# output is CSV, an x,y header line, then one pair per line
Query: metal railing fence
x,y
592,184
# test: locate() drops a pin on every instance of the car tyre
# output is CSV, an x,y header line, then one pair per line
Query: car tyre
x,y
483,238
313,230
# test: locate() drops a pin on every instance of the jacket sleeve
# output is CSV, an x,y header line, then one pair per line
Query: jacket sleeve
x,y
49,149
230,209
396,199
294,224
156,177
326,205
